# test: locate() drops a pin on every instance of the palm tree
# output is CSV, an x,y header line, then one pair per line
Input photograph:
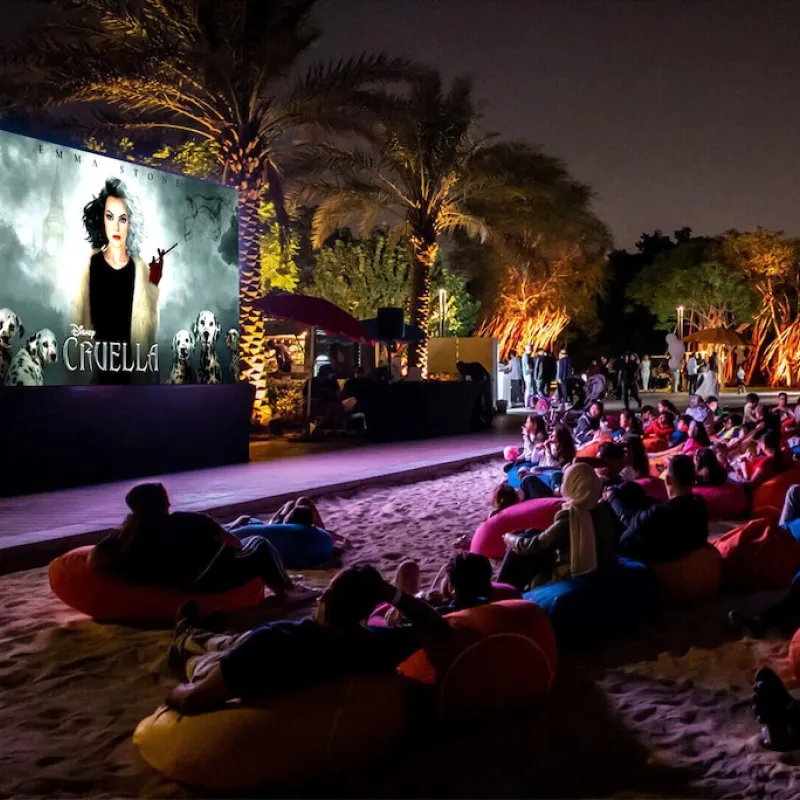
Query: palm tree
x,y
431,173
213,71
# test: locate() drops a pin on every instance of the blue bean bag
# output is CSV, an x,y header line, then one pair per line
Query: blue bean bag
x,y
299,546
512,476
600,604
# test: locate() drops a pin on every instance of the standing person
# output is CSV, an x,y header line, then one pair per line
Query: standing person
x,y
527,373
644,370
548,372
619,368
628,380
514,370
563,374
741,387
691,373
538,373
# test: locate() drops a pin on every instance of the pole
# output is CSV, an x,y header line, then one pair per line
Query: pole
x,y
311,373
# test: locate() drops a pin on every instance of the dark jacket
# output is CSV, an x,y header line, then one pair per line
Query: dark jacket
x,y
664,531
564,368
585,428
548,368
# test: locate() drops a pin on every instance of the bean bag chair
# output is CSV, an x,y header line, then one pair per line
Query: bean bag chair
x,y
488,538
600,604
106,598
768,498
512,476
655,488
592,449
724,502
694,577
794,655
501,658
299,546
758,555
655,444
304,735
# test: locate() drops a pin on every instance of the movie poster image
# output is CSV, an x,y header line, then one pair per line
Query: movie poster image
x,y
112,273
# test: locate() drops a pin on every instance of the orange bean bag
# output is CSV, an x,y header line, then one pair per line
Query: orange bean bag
x,y
592,449
304,735
794,655
768,498
503,657
106,598
758,555
655,444
539,513
696,576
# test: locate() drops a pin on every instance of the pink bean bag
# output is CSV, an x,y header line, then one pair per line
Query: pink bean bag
x,y
488,539
655,488
724,502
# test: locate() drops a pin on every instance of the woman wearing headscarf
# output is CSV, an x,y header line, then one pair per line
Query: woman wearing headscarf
x,y
580,540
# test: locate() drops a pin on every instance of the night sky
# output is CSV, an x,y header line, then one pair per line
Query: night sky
x,y
676,113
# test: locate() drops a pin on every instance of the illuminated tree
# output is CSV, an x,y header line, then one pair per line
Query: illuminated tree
x,y
770,263
213,71
431,173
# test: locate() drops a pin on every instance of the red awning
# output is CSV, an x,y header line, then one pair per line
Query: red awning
x,y
314,312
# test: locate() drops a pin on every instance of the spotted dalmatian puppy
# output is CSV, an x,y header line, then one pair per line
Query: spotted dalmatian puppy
x,y
10,326
232,343
27,367
206,331
182,350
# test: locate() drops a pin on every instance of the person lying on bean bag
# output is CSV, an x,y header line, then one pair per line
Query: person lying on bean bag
x,y
188,551
580,540
288,655
656,531
302,511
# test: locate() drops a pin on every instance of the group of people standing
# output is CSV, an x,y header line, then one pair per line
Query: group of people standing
x,y
531,375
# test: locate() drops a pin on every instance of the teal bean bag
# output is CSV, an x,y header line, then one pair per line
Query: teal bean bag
x,y
299,546
600,604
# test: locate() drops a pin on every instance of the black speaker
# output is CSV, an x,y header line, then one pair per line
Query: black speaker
x,y
390,323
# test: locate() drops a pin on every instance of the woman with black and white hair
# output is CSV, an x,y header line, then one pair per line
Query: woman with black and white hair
x,y
117,295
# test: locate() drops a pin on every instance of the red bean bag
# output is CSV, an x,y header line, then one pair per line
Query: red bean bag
x,y
502,657
106,598
655,488
592,449
758,555
655,444
769,496
724,502
488,538
309,734
695,577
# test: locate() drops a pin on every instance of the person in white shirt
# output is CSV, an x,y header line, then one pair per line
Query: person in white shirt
x,y
691,373
527,372
514,370
644,369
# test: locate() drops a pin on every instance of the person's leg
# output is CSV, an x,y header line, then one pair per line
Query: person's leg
x,y
307,502
518,570
533,487
784,613
791,506
635,395
626,395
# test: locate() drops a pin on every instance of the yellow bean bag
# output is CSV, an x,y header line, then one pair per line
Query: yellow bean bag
x,y
695,577
301,736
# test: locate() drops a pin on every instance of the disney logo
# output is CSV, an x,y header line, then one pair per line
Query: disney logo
x,y
79,330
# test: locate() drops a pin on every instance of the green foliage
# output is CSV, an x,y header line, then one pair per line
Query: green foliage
x,y
277,253
696,275
461,309
362,275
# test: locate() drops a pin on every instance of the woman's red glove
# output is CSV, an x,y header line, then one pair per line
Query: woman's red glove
x,y
157,267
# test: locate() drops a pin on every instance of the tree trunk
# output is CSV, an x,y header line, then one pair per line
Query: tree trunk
x,y
251,320
423,257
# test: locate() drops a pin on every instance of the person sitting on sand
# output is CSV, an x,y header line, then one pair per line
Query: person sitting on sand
x,y
188,551
656,532
290,654
302,511
580,540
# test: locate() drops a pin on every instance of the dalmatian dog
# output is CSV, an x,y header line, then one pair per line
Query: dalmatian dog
x,y
10,326
206,332
27,367
182,351
232,343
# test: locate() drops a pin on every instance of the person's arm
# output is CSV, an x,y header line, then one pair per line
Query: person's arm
x,y
556,535
208,694
423,618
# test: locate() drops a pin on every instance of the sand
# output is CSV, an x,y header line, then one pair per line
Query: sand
x,y
663,714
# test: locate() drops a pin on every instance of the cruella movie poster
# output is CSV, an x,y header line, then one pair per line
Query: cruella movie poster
x,y
111,273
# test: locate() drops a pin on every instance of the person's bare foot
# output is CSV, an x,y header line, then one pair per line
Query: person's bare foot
x,y
463,542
